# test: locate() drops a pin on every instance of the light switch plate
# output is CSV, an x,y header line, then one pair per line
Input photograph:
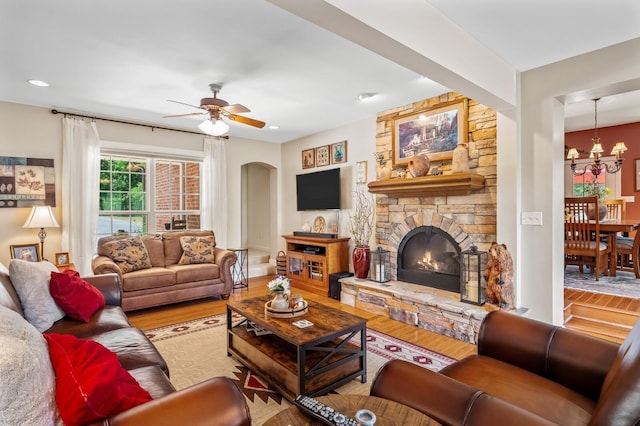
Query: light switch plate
x,y
532,218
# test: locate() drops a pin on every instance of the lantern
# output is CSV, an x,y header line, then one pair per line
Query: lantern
x,y
472,289
380,266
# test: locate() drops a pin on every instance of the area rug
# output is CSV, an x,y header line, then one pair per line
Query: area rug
x,y
197,350
623,284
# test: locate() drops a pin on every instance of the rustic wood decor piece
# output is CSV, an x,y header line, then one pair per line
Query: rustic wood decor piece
x,y
424,186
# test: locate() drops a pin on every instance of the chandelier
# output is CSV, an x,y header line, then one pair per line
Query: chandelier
x,y
598,166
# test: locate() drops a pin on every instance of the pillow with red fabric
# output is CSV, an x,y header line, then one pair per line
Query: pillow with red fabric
x,y
90,382
76,297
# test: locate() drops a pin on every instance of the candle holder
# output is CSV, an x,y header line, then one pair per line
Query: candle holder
x,y
380,266
472,289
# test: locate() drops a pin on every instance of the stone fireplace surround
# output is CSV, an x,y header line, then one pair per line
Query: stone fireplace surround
x,y
468,218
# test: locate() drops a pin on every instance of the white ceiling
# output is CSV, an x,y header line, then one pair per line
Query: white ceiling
x,y
124,59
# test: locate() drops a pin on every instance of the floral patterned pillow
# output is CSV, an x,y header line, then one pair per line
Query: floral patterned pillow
x,y
130,254
197,250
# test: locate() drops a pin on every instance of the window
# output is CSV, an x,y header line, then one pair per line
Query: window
x,y
140,195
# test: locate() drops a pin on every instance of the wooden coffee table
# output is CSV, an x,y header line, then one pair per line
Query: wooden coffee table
x,y
310,361
388,413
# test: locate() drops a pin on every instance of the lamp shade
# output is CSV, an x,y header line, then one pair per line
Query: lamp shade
x,y
214,127
41,217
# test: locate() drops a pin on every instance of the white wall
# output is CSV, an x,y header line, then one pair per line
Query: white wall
x,y
361,143
27,131
541,154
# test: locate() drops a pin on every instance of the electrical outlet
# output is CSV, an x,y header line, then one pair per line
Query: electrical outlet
x,y
532,218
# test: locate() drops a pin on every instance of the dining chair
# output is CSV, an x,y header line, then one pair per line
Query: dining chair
x,y
583,243
629,254
616,209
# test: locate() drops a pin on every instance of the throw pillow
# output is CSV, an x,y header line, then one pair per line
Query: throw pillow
x,y
90,382
75,296
130,254
31,281
197,250
27,393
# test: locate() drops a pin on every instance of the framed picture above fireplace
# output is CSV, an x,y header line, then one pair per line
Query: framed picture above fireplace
x,y
434,132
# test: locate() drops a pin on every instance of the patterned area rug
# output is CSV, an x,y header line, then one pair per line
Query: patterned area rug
x,y
197,350
623,284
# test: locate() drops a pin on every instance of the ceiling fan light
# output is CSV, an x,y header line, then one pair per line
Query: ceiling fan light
x,y
214,127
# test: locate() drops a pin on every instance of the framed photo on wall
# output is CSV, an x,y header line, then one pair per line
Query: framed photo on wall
x,y
339,152
322,155
435,132
308,158
636,164
27,252
361,172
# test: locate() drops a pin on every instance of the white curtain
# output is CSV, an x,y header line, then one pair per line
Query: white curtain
x,y
214,190
80,186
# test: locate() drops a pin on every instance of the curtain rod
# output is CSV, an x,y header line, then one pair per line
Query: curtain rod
x,y
72,114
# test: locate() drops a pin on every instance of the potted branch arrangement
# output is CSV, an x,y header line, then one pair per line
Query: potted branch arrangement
x,y
361,222
600,191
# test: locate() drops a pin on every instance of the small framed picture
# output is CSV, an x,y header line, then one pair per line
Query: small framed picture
x,y
62,259
361,172
323,153
28,252
339,152
637,170
308,158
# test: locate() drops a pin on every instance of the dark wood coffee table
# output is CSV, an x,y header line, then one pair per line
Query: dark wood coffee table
x,y
310,361
388,413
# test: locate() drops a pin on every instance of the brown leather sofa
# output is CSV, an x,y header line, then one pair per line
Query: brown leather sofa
x,y
166,281
526,372
217,401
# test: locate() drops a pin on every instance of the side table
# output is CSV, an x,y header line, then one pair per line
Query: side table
x,y
240,269
388,413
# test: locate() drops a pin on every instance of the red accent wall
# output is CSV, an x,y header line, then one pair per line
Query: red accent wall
x,y
630,135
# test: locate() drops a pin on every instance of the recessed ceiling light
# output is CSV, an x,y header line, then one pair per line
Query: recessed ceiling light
x,y
274,127
39,83
365,96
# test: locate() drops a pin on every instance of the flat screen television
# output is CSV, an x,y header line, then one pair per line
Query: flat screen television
x,y
318,190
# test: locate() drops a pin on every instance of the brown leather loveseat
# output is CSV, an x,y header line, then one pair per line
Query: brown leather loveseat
x,y
163,280
217,401
526,372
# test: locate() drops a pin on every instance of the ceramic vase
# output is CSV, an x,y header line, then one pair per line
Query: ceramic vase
x,y
418,165
602,211
460,161
361,259
279,300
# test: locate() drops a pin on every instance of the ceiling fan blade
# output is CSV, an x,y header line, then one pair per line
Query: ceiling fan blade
x,y
246,120
236,109
183,103
185,115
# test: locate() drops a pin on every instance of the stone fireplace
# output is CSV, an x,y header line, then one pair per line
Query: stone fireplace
x,y
435,218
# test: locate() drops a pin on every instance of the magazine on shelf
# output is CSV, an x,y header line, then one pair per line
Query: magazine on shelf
x,y
257,330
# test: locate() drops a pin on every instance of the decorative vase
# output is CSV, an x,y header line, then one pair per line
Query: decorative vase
x,y
280,300
460,161
602,211
361,259
418,165
384,172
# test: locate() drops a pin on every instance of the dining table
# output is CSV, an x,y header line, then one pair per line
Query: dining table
x,y
612,227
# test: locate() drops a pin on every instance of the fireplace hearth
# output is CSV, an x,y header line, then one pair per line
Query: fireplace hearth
x,y
431,257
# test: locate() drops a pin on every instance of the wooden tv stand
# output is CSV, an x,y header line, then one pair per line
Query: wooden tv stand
x,y
310,261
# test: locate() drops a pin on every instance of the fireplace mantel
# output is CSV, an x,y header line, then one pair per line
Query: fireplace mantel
x,y
425,186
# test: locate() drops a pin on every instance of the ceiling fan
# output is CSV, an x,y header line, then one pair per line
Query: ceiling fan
x,y
217,108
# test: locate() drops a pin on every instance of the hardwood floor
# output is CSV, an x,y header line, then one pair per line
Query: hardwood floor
x,y
162,316
616,309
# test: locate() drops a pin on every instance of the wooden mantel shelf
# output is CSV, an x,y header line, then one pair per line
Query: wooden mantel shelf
x,y
425,186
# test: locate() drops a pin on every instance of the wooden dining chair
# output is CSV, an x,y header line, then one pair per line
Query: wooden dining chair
x,y
629,254
616,209
583,244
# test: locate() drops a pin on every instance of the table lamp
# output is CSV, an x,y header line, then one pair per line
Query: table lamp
x,y
41,217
